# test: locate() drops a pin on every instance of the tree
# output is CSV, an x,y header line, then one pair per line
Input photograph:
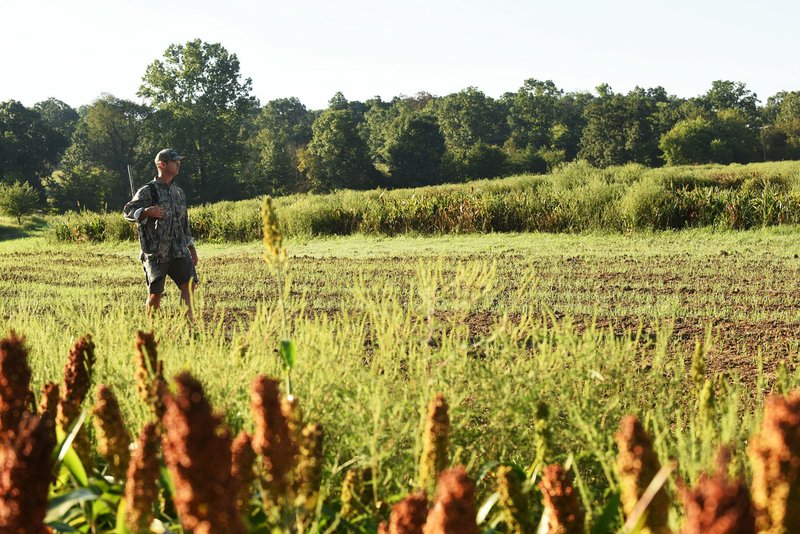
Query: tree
x,y
725,138
18,199
781,138
107,138
623,128
532,114
414,150
203,105
61,118
726,94
688,142
467,119
28,150
337,157
283,130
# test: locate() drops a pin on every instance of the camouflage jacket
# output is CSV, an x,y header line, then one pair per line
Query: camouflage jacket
x,y
166,238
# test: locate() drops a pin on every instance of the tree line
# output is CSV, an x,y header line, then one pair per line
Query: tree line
x,y
195,99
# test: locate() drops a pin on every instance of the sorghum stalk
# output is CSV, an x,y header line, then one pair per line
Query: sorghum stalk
x,y
141,486
15,378
718,505
278,262
113,439
637,464
515,504
408,516
197,451
454,511
243,458
561,501
77,380
435,443
272,439
775,457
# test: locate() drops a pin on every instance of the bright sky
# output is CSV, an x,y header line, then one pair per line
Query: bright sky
x,y
76,50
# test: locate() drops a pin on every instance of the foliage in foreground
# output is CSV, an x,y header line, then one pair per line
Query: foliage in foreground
x,y
575,198
187,470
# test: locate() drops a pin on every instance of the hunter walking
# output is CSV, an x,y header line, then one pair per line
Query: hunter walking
x,y
159,210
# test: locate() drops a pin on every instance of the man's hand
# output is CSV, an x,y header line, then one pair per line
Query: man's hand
x,y
193,252
155,212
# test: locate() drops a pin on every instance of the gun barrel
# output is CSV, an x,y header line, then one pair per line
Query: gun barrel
x,y
130,179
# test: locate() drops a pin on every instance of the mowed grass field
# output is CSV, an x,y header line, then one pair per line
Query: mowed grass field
x,y
594,326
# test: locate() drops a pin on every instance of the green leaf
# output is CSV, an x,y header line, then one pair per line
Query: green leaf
x,y
121,527
66,455
487,506
59,506
607,517
288,352
65,441
167,482
74,465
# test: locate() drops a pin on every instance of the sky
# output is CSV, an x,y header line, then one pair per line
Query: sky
x,y
79,49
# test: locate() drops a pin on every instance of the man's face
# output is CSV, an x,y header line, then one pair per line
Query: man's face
x,y
171,167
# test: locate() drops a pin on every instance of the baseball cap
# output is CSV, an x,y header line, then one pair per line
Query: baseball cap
x,y
168,154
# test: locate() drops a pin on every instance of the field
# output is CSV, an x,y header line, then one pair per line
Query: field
x,y
594,326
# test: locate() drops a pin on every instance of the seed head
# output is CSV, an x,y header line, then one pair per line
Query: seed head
x,y
454,511
515,504
197,451
113,439
15,378
290,407
272,439
561,500
358,492
408,516
141,487
775,457
242,459
309,466
149,372
718,505
435,443
274,254
77,380
49,402
638,464
26,466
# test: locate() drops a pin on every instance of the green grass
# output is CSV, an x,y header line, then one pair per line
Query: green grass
x,y
594,325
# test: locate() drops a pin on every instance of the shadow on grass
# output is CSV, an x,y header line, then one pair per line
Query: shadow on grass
x,y
31,226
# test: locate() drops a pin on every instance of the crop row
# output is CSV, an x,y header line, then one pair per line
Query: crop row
x,y
575,198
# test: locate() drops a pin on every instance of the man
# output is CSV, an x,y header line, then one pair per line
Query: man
x,y
159,209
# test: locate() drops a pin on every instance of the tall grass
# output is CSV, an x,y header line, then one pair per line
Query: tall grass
x,y
576,197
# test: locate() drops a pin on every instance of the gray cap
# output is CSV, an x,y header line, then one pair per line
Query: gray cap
x,y
168,154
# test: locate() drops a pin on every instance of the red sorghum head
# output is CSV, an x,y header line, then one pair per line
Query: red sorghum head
x,y
113,439
15,378
272,439
454,510
141,485
197,451
561,500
